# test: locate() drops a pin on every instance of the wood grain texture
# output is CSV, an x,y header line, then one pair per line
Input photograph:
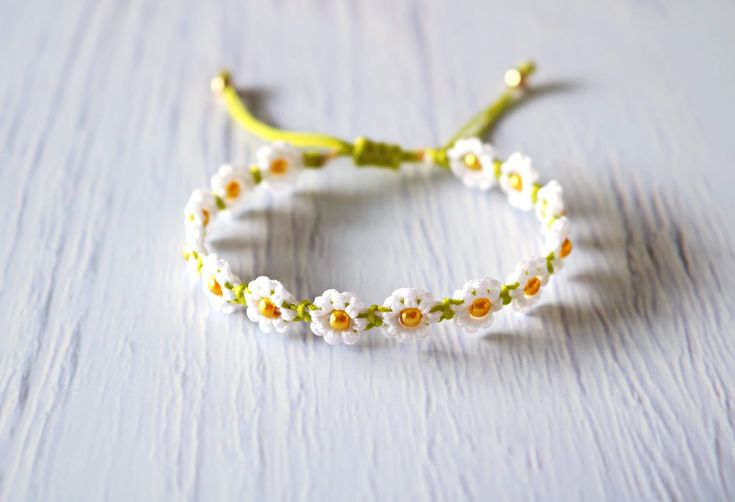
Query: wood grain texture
x,y
118,382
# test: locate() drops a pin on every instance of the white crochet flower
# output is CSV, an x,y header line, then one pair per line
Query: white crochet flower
x,y
518,180
193,253
195,235
481,298
231,183
336,317
279,163
267,301
557,242
471,160
549,202
530,275
218,282
200,210
410,314
553,225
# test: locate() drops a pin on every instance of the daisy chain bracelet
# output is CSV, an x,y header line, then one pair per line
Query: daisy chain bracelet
x,y
407,314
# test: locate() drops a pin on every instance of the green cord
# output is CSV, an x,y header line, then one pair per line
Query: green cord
x,y
480,124
366,152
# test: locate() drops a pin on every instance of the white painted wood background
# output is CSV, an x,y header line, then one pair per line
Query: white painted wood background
x,y
117,382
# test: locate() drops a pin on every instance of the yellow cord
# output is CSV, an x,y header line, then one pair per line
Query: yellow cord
x,y
365,151
242,115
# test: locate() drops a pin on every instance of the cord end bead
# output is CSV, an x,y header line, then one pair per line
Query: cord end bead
x,y
222,81
518,76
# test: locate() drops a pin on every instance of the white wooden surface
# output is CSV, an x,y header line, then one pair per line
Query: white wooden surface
x,y
118,382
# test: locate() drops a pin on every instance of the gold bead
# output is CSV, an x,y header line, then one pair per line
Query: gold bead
x,y
566,248
185,253
232,190
268,309
278,166
222,81
532,286
214,286
205,217
339,320
472,162
411,317
515,181
513,78
480,307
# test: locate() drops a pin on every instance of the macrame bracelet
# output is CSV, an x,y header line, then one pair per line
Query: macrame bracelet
x,y
407,314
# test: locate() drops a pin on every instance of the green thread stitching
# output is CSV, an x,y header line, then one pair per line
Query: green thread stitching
x,y
497,168
302,309
445,307
371,314
505,292
220,202
257,176
239,291
534,193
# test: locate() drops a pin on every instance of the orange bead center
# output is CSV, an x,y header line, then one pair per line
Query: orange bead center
x,y
232,190
268,309
532,286
278,166
566,248
411,317
472,162
480,307
214,286
515,181
205,217
339,320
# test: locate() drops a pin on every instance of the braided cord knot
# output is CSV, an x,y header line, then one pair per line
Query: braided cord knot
x,y
366,152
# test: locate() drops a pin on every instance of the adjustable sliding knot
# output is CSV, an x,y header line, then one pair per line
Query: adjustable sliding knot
x,y
374,153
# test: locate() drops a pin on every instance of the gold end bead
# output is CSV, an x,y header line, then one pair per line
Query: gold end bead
x,y
513,78
222,81
518,77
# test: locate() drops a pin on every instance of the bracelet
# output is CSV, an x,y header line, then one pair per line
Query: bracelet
x,y
407,314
